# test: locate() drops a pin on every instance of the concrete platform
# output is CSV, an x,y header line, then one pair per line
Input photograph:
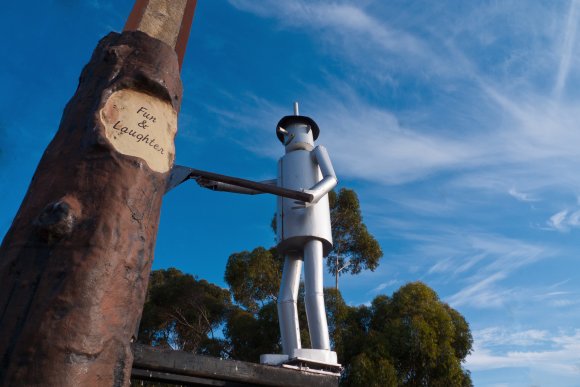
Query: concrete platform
x,y
304,359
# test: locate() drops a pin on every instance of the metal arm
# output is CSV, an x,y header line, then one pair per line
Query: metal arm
x,y
219,186
329,180
179,174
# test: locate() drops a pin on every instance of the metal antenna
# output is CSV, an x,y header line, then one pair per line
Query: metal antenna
x,y
296,112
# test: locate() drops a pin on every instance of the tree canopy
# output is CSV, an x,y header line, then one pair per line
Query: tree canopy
x,y
411,336
184,313
254,277
408,339
354,248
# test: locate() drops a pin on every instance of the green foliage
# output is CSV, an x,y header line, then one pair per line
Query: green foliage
x,y
182,312
423,339
251,335
354,248
254,277
371,372
337,313
253,332
409,339
463,340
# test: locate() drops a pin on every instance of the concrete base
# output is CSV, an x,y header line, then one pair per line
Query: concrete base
x,y
317,361
273,359
315,355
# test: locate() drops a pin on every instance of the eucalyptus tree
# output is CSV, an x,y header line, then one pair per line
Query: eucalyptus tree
x,y
354,247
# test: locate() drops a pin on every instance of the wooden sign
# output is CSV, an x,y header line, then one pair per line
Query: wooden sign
x,y
141,125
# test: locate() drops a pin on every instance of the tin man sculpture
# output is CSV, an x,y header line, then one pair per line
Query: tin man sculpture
x,y
304,236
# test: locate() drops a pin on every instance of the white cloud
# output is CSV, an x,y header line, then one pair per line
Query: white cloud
x,y
567,47
491,261
564,220
438,121
481,293
441,266
470,269
369,143
551,352
522,196
564,303
556,221
382,286
349,26
558,299
469,262
513,133
496,336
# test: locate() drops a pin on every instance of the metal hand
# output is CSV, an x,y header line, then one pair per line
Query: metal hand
x,y
301,204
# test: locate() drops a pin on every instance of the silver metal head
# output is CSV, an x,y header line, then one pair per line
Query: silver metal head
x,y
299,137
291,136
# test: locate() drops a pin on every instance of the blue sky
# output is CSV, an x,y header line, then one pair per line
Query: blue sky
x,y
456,122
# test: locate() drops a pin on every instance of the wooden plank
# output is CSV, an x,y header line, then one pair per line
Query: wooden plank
x,y
168,377
187,364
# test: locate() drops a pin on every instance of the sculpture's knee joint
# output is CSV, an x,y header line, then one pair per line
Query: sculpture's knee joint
x,y
287,295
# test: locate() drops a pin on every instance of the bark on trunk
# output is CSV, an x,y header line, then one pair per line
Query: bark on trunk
x,y
75,263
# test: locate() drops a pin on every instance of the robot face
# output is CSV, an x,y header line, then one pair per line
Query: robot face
x,y
298,136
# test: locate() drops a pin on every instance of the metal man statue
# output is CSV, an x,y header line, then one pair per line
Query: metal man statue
x,y
304,235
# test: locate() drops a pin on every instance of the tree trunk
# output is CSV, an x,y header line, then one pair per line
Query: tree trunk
x,y
75,263
336,274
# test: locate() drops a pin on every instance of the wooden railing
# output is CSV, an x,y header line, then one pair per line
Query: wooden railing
x,y
183,368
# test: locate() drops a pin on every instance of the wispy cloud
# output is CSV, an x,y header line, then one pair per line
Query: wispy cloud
x,y
556,221
499,336
553,352
384,285
490,261
514,132
351,27
477,269
567,47
444,124
522,196
482,293
564,220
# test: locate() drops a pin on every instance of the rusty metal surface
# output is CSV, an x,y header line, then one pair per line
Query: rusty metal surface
x,y
75,263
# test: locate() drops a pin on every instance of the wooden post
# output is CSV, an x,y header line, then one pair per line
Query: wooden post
x,y
75,262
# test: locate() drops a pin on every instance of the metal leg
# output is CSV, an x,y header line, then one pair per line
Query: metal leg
x,y
287,299
314,297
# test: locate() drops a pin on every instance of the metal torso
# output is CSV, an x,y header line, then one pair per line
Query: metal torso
x,y
295,226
